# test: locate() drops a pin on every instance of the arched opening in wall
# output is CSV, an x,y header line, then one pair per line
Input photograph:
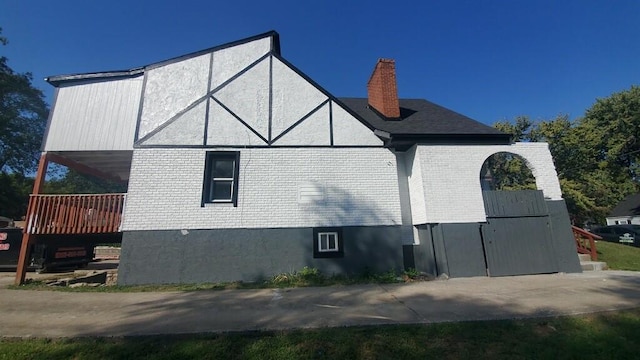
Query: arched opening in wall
x,y
517,219
505,171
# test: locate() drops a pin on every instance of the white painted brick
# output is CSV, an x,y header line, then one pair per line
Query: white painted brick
x,y
450,188
361,185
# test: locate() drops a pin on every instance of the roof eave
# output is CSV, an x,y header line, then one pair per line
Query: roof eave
x,y
57,80
404,141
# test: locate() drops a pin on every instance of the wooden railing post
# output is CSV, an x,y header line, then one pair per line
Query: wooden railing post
x,y
581,237
21,271
75,214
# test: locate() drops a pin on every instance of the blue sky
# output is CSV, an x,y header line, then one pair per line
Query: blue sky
x,y
488,59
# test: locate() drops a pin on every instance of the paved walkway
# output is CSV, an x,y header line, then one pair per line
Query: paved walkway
x,y
61,314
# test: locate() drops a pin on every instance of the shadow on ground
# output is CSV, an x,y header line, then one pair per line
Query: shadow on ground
x,y
115,314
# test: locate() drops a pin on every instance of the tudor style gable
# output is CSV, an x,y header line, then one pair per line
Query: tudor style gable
x,y
237,94
245,95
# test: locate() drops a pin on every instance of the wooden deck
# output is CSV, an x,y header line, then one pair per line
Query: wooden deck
x,y
74,214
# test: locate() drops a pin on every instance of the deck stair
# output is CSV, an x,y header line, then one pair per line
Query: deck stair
x,y
588,265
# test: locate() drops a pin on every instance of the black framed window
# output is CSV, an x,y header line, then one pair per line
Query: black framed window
x,y
221,177
328,243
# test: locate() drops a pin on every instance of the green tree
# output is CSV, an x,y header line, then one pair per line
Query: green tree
x,y
596,157
615,122
23,114
509,171
73,182
14,193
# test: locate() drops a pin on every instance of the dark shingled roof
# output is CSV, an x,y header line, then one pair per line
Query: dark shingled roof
x,y
629,206
421,117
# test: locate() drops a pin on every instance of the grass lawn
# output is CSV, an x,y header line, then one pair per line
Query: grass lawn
x,y
302,278
618,256
613,335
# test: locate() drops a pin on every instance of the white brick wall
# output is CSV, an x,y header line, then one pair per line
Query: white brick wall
x,y
416,187
360,185
451,179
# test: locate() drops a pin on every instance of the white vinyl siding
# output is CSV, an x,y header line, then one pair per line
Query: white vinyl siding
x,y
95,115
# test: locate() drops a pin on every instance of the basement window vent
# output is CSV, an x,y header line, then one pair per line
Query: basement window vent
x,y
328,243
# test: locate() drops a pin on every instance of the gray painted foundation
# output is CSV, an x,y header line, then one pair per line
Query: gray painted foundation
x,y
563,240
221,255
458,249
451,249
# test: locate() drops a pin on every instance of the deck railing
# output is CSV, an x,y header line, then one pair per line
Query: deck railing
x,y
586,242
74,214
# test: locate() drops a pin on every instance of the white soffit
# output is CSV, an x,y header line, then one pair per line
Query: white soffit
x,y
230,61
347,130
314,130
293,97
248,97
187,129
170,89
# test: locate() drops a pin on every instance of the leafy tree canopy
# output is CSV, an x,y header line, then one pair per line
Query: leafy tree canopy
x,y
74,182
23,114
596,156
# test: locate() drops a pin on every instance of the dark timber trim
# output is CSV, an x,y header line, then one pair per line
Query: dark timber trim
x,y
222,146
195,103
325,92
331,123
144,87
220,47
239,119
237,75
322,104
172,119
206,114
58,79
270,97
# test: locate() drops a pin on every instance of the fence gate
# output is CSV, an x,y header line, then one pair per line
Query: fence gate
x,y
517,237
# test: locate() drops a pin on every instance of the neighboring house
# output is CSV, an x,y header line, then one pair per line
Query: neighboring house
x,y
626,212
239,166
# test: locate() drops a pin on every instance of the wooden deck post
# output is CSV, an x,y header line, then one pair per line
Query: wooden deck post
x,y
21,271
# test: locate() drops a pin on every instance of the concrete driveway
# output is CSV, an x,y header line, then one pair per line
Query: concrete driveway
x,y
62,314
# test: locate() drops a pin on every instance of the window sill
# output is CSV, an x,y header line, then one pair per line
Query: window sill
x,y
218,204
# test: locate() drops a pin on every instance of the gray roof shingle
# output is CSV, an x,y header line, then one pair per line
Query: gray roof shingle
x,y
629,206
421,117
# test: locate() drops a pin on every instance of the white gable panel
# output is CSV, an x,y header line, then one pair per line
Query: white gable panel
x,y
347,130
172,88
314,130
187,129
94,115
230,61
293,97
224,129
248,97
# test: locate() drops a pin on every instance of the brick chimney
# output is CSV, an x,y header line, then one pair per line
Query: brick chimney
x,y
382,89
